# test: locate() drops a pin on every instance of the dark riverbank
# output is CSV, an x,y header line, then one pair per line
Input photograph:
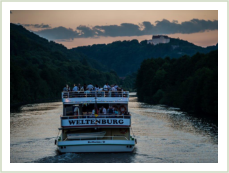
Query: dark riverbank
x,y
189,83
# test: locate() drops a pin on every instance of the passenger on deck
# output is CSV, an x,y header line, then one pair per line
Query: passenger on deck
x,y
65,88
104,111
89,87
82,88
110,111
105,87
93,112
113,108
116,112
116,87
76,109
113,88
85,87
75,88
101,110
79,86
96,87
108,87
100,92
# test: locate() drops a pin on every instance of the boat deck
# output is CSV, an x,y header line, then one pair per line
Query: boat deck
x,y
79,97
76,94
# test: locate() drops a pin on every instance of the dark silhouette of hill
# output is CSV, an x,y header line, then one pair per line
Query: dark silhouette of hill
x,y
125,57
39,69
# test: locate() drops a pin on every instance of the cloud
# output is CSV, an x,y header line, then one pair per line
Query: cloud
x,y
58,33
125,29
43,26
86,32
129,29
196,25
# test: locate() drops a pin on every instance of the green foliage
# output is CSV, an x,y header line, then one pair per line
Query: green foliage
x,y
125,57
129,82
39,69
190,83
158,96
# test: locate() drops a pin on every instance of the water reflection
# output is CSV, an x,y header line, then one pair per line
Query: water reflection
x,y
32,133
164,134
89,158
177,119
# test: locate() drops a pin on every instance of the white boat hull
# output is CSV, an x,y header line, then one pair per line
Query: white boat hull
x,y
96,146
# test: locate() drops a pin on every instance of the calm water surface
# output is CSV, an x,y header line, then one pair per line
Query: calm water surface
x,y
164,134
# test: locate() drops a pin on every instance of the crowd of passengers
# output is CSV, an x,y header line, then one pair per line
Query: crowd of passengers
x,y
90,87
103,111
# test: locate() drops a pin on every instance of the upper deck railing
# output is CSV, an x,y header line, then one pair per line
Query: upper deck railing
x,y
83,94
93,116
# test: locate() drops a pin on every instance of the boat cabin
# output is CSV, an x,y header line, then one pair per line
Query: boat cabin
x,y
92,109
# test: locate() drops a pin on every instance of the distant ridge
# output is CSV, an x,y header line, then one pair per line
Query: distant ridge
x,y
125,57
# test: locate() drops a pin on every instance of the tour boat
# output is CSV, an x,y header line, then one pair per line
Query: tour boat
x,y
84,130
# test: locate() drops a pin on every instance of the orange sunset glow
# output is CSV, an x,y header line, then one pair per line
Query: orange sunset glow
x,y
84,27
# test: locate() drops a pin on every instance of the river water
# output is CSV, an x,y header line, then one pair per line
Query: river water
x,y
164,135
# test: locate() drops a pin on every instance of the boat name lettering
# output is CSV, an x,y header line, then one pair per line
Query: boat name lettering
x,y
100,121
89,142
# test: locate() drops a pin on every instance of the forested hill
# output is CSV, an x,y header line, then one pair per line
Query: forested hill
x,y
39,69
125,57
190,83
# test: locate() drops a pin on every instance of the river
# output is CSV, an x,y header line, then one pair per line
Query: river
x,y
164,135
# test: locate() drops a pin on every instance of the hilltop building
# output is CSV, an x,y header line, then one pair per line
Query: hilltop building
x,y
156,39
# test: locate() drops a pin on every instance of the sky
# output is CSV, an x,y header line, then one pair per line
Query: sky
x,y
74,28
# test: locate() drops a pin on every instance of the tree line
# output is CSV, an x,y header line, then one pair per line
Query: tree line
x,y
125,57
39,69
190,83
